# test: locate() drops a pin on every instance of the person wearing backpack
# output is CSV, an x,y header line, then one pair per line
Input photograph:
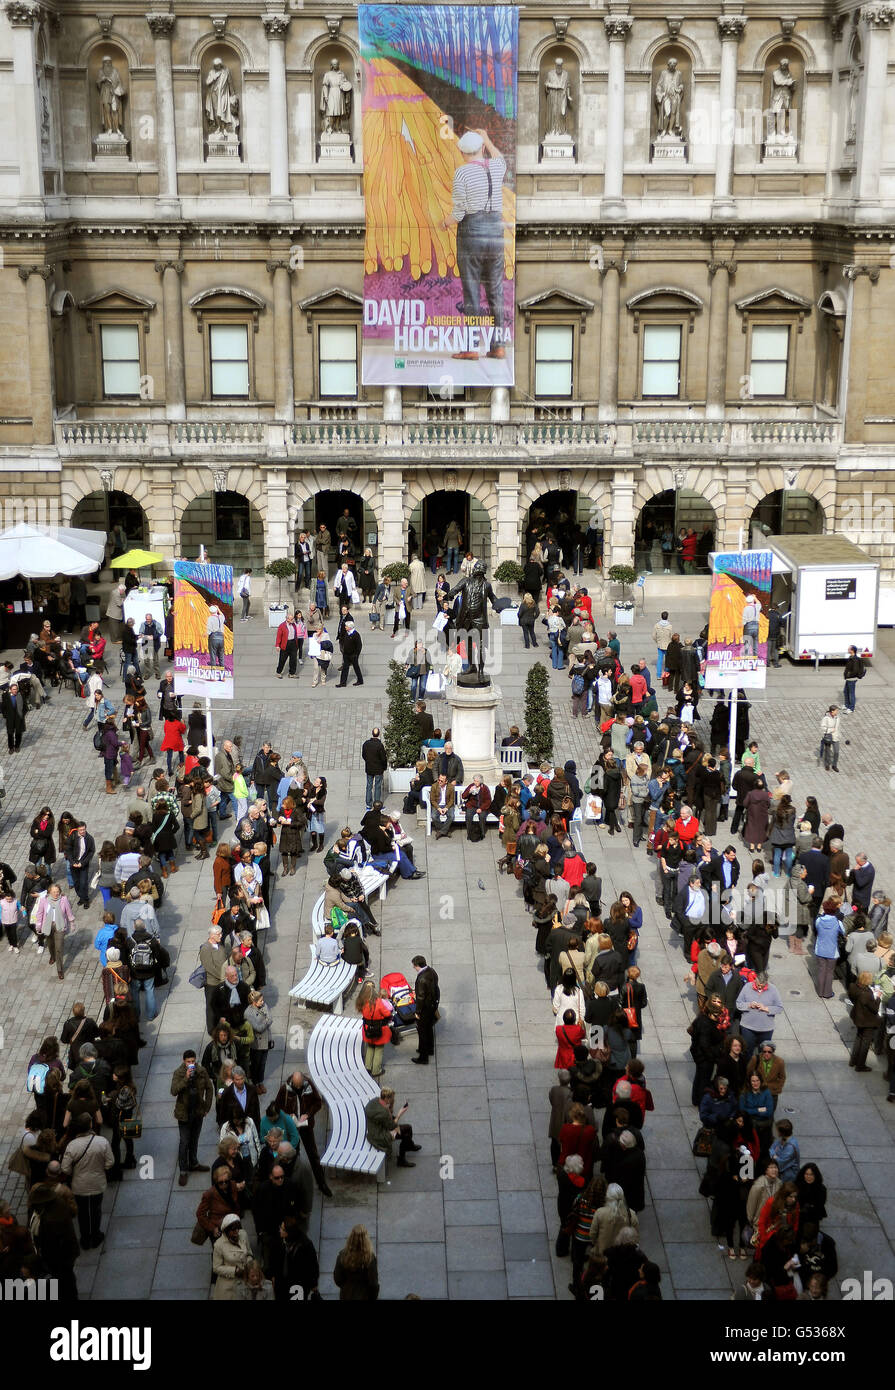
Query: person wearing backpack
x,y
145,959
376,1013
45,1059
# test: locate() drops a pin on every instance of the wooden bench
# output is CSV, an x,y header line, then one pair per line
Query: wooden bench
x,y
336,1065
324,984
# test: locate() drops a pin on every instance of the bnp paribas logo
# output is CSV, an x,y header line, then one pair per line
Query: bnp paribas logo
x,y
400,364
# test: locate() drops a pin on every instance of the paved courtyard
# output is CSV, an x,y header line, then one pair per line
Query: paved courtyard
x,y
486,1231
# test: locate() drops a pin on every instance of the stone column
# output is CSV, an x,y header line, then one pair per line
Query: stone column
x,y
283,354
862,278
25,143
736,510
275,26
393,534
506,538
617,27
611,270
877,19
163,533
730,29
720,272
621,521
392,405
500,404
175,367
162,27
35,279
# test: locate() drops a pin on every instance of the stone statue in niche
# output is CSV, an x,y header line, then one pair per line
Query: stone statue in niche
x,y
221,111
111,140
669,98
335,110
781,137
851,109
558,142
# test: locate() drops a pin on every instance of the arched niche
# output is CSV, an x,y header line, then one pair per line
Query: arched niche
x,y
330,132
220,97
670,103
108,100
558,132
852,92
783,87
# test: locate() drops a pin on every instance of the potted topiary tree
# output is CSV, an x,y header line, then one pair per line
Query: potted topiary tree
x,y
280,569
624,606
395,572
402,735
538,737
510,575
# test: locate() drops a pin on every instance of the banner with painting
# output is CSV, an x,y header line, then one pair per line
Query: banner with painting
x,y
438,94
203,630
738,620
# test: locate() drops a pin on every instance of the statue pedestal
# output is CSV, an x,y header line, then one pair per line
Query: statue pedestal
x,y
667,149
558,147
110,145
222,145
472,729
335,147
780,147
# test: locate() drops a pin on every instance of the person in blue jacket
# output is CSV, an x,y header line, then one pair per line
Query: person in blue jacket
x,y
830,932
717,1103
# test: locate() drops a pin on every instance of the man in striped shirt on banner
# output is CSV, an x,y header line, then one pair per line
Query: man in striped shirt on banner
x,y
478,213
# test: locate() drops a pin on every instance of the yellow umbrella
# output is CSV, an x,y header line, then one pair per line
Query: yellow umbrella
x,y
135,560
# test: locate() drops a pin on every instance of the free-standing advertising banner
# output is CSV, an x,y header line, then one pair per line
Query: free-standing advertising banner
x,y
439,130
738,620
203,630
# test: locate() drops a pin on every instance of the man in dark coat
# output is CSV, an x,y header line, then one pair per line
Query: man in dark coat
x,y
12,706
230,999
741,784
861,880
299,1098
423,720
428,997
79,850
351,646
624,1162
727,983
375,761
817,865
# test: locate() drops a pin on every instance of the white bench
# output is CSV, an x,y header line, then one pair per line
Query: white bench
x,y
336,1064
324,984
459,813
372,882
513,759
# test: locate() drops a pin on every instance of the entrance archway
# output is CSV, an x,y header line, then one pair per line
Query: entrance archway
x,y
104,511
230,528
432,516
665,515
787,512
556,512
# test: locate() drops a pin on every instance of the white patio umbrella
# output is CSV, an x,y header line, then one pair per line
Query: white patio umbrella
x,y
40,553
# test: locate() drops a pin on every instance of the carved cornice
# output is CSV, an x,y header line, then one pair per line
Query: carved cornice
x,y
617,26
275,25
21,16
731,26
161,25
177,266
878,16
44,271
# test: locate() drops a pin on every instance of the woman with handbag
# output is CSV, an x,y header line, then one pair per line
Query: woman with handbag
x,y
634,1001
198,818
125,1123
376,1013
417,670
258,1015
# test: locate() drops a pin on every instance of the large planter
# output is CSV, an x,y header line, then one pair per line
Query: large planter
x,y
399,779
624,612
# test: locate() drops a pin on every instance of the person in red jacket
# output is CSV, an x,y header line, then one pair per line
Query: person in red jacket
x,y
172,741
569,1035
287,646
577,1136
639,689
687,826
689,547
574,868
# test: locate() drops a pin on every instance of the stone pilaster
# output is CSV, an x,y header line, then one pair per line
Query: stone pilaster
x,y
162,27
612,269
876,21
35,278
730,29
620,548
276,26
720,272
283,350
617,28
25,142
279,542
393,533
175,366
506,537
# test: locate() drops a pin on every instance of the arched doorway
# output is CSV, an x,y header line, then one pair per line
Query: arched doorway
x,y
787,512
665,516
230,528
104,511
328,509
557,513
431,517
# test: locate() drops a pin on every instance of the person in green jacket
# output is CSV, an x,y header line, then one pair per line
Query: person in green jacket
x,y
384,1127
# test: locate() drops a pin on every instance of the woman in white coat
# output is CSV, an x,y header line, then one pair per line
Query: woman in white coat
x,y
345,586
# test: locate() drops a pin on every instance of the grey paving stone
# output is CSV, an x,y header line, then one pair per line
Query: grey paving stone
x,y
138,1231
474,1247
472,1182
527,1245
462,1103
696,1265
471,1213
467,1141
189,1271
520,1212
517,1169
529,1279
424,1275
412,1216
483,1286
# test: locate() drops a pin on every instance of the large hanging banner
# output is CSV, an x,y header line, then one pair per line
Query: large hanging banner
x,y
439,130
738,620
203,630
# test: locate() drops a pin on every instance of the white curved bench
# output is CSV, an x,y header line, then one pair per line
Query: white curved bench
x,y
336,1065
324,984
371,880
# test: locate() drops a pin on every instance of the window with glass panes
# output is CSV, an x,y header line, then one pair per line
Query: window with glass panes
x,y
121,359
554,344
769,359
337,357
228,347
662,359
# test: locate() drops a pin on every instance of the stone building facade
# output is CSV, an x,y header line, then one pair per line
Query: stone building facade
x,y
705,291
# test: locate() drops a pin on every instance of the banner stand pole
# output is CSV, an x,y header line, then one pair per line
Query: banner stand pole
x,y
209,731
732,731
